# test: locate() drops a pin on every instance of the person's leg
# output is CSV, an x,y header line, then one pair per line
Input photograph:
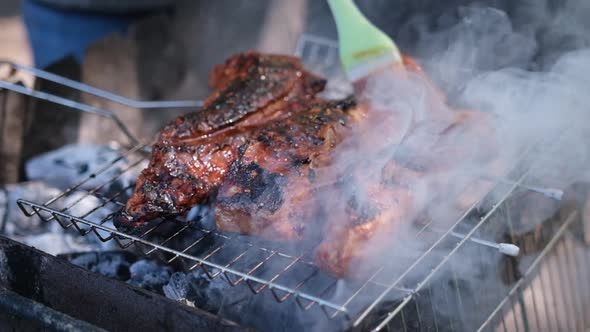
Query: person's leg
x,y
56,33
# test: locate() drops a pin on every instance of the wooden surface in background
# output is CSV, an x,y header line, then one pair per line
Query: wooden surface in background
x,y
51,126
12,127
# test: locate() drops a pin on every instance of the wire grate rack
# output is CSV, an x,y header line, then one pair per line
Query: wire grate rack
x,y
407,296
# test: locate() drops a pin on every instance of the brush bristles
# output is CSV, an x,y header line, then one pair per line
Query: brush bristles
x,y
372,65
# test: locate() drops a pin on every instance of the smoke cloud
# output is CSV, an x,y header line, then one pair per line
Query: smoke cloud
x,y
526,80
512,75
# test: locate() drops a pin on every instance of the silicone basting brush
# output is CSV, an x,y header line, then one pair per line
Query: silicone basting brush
x,y
364,49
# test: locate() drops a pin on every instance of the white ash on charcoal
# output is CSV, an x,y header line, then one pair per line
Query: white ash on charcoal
x,y
13,221
202,214
124,266
76,162
196,288
149,275
112,264
240,304
55,243
51,237
178,288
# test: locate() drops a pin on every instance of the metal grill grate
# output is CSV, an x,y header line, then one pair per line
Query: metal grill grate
x,y
402,297
552,294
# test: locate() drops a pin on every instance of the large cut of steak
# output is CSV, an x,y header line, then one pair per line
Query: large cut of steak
x,y
267,154
269,189
193,154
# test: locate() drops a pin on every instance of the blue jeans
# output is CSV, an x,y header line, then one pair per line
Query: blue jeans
x,y
55,33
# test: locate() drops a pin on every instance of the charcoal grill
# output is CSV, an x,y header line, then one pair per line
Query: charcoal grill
x,y
542,289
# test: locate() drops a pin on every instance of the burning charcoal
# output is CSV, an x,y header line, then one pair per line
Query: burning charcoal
x,y
196,289
177,287
15,222
208,294
57,243
237,303
93,209
75,162
51,237
113,264
149,275
213,293
203,214
88,207
79,204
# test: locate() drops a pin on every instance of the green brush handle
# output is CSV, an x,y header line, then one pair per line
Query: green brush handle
x,y
363,47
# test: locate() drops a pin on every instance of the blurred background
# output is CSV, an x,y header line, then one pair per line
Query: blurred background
x,y
167,47
164,50
13,37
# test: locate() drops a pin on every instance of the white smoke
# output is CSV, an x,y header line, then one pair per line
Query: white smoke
x,y
527,78
531,81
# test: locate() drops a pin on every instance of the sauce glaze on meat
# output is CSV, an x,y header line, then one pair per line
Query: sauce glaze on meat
x,y
261,152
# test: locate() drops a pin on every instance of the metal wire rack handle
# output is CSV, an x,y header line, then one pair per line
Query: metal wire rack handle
x,y
38,73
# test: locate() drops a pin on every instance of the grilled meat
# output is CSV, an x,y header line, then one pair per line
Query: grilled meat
x,y
355,222
262,152
274,188
367,208
194,153
269,190
381,194
251,90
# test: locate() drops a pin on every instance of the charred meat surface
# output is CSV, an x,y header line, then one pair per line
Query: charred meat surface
x,y
351,231
274,161
269,190
194,153
250,90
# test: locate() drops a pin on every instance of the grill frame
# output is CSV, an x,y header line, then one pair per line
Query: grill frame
x,y
305,300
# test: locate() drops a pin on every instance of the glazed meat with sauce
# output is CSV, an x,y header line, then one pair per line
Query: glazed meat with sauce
x,y
367,207
382,193
262,152
193,154
269,190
